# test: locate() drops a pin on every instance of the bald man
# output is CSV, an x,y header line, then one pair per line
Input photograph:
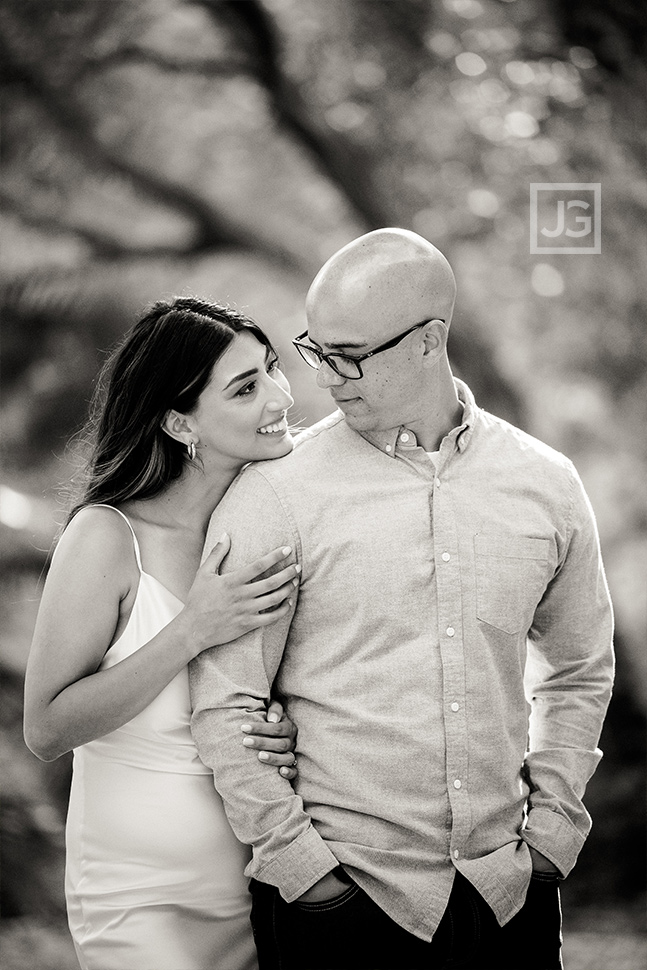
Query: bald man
x,y
447,659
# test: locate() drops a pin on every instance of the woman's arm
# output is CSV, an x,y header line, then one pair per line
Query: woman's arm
x,y
89,591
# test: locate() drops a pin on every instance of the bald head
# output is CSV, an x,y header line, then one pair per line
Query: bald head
x,y
387,277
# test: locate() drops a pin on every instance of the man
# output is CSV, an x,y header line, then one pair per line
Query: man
x,y
448,661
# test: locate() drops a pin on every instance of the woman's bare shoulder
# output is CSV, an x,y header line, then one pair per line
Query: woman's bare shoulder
x,y
97,537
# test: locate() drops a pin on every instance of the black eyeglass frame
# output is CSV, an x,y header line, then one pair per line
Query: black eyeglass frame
x,y
356,360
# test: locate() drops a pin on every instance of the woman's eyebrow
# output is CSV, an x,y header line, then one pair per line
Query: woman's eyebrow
x,y
241,377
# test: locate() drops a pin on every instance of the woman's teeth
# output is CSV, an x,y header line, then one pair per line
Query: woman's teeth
x,y
271,428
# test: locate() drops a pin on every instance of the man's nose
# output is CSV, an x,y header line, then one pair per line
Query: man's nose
x,y
327,377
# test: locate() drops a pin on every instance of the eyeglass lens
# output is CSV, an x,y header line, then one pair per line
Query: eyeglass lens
x,y
342,365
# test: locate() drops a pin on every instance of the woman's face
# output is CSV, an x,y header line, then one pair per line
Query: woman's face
x,y
241,414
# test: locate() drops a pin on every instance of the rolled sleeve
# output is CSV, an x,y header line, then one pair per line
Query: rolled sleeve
x,y
300,865
555,837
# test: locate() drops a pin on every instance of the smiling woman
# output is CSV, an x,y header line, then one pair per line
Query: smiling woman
x,y
155,876
139,426
241,414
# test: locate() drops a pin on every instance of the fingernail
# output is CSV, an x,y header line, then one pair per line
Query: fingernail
x,y
246,728
295,582
273,717
284,771
289,602
286,550
297,568
248,742
264,756
223,537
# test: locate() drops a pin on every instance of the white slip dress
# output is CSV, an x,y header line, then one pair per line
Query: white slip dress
x,y
154,873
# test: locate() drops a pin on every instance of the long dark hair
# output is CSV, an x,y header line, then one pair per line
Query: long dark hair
x,y
163,363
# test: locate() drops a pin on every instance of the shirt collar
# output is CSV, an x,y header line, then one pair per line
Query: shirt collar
x,y
403,439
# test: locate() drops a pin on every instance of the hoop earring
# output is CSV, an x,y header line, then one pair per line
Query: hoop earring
x,y
191,450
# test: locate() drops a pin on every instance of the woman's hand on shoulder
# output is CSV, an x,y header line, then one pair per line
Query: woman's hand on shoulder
x,y
274,739
220,609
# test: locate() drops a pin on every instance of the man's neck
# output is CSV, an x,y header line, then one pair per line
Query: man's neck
x,y
430,434
440,417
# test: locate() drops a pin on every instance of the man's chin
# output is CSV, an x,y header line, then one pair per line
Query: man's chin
x,y
359,422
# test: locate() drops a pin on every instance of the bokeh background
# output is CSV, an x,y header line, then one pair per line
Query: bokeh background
x,y
226,149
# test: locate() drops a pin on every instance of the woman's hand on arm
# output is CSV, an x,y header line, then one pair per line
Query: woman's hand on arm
x,y
274,739
220,609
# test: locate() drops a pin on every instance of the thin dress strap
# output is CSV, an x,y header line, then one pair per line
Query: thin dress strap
x,y
103,505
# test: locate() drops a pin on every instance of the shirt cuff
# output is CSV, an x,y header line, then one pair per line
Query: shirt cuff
x,y
298,867
554,836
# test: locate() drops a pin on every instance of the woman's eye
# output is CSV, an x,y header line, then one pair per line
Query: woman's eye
x,y
247,389
272,365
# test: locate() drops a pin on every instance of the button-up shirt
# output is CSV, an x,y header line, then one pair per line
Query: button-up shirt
x,y
447,661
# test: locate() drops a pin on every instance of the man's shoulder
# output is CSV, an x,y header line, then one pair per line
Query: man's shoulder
x,y
310,444
313,446
311,437
512,440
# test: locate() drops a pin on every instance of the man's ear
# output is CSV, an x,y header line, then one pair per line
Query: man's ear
x,y
435,339
177,426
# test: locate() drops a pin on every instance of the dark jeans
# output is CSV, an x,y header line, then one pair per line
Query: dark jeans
x,y
351,932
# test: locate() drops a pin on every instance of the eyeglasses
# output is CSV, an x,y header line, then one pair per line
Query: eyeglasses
x,y
346,365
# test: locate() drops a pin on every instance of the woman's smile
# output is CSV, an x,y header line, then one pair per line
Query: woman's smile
x,y
277,427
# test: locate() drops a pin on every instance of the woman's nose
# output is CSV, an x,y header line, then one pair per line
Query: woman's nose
x,y
280,398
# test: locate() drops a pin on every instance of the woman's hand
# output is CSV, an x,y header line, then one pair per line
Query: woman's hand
x,y
275,739
222,608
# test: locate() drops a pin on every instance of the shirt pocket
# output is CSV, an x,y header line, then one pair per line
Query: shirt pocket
x,y
511,578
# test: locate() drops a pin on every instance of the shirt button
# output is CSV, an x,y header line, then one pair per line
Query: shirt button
x,y
404,437
450,631
445,557
456,706
456,853
457,783
388,448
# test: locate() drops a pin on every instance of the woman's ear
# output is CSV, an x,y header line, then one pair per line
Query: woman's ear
x,y
177,426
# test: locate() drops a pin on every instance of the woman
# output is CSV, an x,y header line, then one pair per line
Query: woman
x,y
154,875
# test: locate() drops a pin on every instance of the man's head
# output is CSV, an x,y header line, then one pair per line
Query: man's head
x,y
373,290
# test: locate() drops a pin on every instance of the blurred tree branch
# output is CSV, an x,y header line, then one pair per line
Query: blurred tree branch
x,y
614,30
346,165
139,55
21,66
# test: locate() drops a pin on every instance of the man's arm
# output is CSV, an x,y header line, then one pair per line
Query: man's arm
x,y
231,685
568,681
